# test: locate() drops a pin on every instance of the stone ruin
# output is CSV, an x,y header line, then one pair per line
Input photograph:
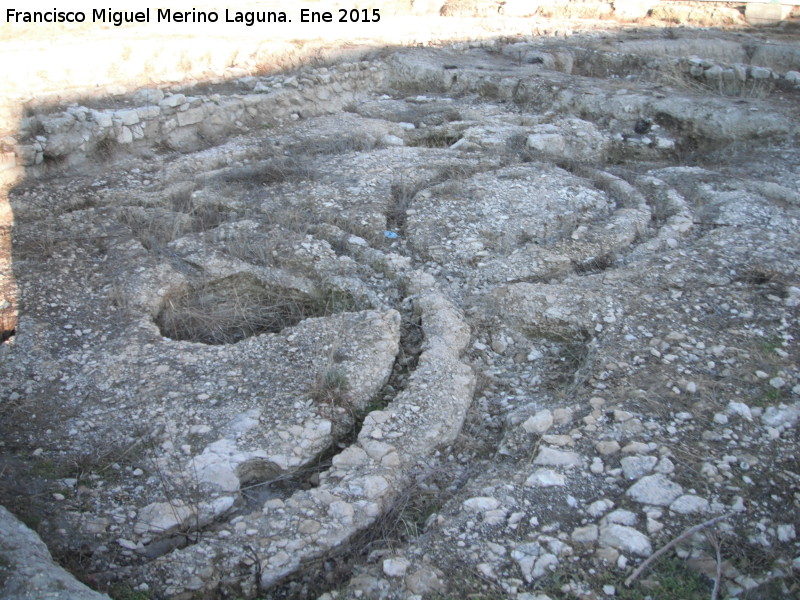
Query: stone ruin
x,y
535,299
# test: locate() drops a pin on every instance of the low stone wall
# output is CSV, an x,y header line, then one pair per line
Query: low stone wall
x,y
184,121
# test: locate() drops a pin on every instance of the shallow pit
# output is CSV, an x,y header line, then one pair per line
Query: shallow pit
x,y
233,308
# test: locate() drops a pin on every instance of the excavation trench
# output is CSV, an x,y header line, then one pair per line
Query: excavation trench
x,y
490,164
257,490
369,473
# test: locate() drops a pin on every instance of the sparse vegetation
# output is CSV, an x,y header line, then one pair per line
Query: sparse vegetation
x,y
331,387
49,469
267,172
670,578
230,309
595,264
125,592
436,138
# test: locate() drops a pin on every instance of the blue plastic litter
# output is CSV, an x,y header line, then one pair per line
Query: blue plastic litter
x,y
390,234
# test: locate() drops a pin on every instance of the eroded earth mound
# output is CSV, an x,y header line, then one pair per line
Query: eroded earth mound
x,y
490,320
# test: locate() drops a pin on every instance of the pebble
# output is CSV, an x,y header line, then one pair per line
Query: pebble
x,y
636,448
636,467
539,423
741,409
599,507
620,516
786,532
481,504
607,447
545,478
777,382
689,504
555,457
395,567
665,466
127,544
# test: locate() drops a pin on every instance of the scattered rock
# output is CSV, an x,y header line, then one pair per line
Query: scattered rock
x,y
689,504
557,458
539,423
654,489
636,467
481,504
626,539
585,535
395,567
545,478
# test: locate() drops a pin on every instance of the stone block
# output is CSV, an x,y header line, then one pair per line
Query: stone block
x,y
149,95
190,117
764,15
62,144
127,117
125,135
173,101
148,112
58,124
760,73
103,119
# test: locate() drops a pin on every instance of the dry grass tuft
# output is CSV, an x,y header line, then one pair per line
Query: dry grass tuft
x,y
227,310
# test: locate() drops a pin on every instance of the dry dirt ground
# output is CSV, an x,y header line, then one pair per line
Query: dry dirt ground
x,y
488,319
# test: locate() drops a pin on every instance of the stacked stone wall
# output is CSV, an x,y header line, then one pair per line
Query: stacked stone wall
x,y
183,121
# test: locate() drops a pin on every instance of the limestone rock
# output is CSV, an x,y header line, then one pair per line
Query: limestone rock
x,y
607,447
654,489
689,504
424,580
164,517
585,535
27,571
533,560
539,423
545,478
626,539
599,507
782,416
395,567
621,517
481,504
636,467
557,458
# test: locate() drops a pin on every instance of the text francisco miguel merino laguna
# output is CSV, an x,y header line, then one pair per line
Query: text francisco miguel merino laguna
x,y
168,15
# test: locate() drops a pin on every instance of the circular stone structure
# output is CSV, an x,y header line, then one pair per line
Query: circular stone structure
x,y
488,291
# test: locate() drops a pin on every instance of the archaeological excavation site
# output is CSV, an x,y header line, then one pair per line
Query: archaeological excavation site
x,y
499,300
